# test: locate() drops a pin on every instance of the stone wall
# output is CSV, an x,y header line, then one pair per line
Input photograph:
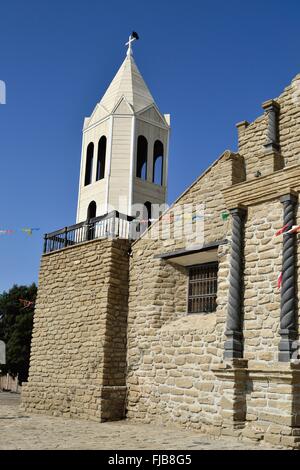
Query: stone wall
x,y
174,359
263,263
170,353
176,371
261,401
169,377
78,362
273,405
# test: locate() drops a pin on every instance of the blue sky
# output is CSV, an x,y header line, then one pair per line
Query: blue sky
x,y
210,64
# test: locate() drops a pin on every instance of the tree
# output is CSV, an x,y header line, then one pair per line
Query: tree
x,y
16,322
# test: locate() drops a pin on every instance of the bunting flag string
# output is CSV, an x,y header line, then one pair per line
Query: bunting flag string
x,y
27,230
176,218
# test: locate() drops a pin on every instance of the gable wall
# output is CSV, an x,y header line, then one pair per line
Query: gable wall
x,y
170,354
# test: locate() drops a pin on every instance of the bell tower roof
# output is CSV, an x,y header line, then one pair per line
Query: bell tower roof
x,y
128,83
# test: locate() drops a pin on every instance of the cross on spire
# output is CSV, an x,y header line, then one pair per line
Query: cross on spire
x,y
133,37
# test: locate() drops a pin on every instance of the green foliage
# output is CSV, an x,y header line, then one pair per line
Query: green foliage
x,y
16,324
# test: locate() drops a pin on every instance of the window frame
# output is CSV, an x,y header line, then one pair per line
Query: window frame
x,y
101,158
189,269
138,168
89,163
158,145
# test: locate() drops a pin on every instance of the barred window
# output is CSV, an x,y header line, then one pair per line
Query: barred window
x,y
203,285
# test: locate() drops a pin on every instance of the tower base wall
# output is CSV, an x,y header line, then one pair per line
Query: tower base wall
x,y
78,352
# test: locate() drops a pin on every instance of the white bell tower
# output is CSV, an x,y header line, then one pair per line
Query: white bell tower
x,y
125,144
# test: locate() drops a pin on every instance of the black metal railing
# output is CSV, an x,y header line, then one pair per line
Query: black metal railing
x,y
114,225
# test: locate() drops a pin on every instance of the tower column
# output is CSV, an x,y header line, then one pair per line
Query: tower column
x,y
234,343
272,110
132,164
288,323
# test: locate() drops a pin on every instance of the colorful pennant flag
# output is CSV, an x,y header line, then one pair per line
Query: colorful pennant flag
x,y
279,281
197,217
282,230
225,216
27,230
294,229
169,217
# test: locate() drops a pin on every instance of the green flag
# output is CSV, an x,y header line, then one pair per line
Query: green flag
x,y
225,216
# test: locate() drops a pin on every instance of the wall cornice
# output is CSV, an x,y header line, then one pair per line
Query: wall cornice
x,y
264,188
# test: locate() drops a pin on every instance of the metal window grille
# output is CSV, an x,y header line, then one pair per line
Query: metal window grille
x,y
203,285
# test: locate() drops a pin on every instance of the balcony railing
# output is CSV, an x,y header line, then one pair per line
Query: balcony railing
x,y
114,225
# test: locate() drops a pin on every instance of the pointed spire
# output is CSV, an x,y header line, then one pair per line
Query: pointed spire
x,y
128,83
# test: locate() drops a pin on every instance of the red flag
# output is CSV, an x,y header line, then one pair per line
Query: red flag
x,y
282,230
26,303
168,217
279,280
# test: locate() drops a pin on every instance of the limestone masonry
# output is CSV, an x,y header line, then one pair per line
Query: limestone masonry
x,y
115,333
78,364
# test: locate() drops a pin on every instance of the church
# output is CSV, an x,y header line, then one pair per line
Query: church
x,y
184,315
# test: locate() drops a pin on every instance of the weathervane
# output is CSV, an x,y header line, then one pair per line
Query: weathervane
x,y
133,37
